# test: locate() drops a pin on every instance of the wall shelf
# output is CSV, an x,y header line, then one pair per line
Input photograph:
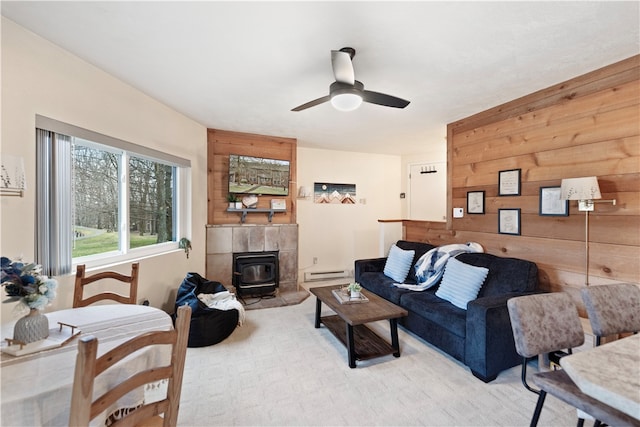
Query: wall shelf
x,y
244,212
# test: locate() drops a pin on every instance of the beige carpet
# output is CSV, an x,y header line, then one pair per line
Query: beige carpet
x,y
278,370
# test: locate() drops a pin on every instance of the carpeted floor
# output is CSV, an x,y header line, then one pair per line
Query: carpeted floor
x,y
278,370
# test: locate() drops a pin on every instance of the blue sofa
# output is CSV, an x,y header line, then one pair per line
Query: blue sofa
x,y
480,336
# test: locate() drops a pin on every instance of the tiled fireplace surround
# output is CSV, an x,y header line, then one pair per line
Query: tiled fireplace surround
x,y
225,240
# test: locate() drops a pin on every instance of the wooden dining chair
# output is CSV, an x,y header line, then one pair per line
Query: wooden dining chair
x,y
85,408
82,281
612,309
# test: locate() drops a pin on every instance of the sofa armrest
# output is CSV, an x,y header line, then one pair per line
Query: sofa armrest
x,y
489,343
375,265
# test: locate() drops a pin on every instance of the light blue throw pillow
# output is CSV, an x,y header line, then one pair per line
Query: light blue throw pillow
x,y
461,282
398,263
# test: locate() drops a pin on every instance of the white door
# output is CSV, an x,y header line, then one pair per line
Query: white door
x,y
428,191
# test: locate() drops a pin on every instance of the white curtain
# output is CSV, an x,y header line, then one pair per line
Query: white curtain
x,y
54,219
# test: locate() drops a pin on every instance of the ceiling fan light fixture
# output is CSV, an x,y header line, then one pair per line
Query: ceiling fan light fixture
x,y
346,101
346,97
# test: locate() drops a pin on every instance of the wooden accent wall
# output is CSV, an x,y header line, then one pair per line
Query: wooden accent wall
x,y
587,126
220,144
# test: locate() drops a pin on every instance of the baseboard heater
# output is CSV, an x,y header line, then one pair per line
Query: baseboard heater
x,y
325,275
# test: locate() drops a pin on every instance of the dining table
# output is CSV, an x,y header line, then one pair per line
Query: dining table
x,y
36,388
609,373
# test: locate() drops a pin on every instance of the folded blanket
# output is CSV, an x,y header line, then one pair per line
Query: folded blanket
x,y
430,267
224,300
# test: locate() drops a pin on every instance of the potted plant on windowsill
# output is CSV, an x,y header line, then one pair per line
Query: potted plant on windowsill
x,y
354,289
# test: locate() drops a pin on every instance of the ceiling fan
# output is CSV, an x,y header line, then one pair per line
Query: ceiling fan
x,y
347,93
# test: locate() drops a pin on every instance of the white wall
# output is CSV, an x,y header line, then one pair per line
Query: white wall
x,y
339,234
40,78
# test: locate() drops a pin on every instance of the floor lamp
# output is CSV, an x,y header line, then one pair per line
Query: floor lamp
x,y
586,191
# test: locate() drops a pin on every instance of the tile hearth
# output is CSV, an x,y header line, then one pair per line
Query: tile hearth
x,y
225,240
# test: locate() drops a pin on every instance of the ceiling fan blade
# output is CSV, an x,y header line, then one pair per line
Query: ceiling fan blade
x,y
383,99
312,103
342,67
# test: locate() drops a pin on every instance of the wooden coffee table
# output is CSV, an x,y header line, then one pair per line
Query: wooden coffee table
x,y
361,342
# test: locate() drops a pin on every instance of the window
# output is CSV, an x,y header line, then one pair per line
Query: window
x,y
103,200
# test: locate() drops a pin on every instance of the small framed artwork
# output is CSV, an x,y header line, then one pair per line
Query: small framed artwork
x,y
551,204
278,204
509,182
475,202
509,221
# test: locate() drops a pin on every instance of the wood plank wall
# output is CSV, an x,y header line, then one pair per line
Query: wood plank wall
x,y
587,126
220,144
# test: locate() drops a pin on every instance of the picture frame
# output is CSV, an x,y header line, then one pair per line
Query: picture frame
x,y
279,204
509,182
551,204
475,202
333,193
509,221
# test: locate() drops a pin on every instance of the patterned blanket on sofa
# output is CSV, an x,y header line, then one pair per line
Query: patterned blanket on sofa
x,y
430,267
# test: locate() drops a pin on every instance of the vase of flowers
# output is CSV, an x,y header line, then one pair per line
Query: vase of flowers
x,y
26,283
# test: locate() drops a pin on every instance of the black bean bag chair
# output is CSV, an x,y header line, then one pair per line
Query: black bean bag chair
x,y
208,325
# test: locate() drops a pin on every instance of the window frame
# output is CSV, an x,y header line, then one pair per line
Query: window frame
x,y
182,192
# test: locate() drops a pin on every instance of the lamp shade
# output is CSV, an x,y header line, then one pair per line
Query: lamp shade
x,y
585,188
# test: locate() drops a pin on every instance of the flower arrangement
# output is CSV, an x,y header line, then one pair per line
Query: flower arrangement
x,y
25,282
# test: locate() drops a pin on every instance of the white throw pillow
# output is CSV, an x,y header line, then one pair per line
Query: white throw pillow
x,y
461,282
398,263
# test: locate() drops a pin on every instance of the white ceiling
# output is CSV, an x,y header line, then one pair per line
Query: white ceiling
x,y
242,66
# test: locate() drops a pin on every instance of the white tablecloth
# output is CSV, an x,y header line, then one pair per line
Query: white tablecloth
x,y
36,388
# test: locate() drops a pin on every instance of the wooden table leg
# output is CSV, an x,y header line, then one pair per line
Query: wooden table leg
x,y
395,343
350,347
318,309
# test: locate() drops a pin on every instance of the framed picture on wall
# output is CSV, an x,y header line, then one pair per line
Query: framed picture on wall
x,y
551,204
475,202
509,221
509,182
330,193
279,204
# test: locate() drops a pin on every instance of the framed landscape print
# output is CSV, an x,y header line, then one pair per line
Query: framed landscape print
x,y
509,221
330,193
475,202
551,204
509,182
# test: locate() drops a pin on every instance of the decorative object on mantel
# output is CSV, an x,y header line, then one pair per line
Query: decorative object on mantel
x,y
232,199
12,176
585,190
250,201
185,244
278,204
25,283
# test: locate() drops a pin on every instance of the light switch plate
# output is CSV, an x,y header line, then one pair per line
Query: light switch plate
x,y
458,212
